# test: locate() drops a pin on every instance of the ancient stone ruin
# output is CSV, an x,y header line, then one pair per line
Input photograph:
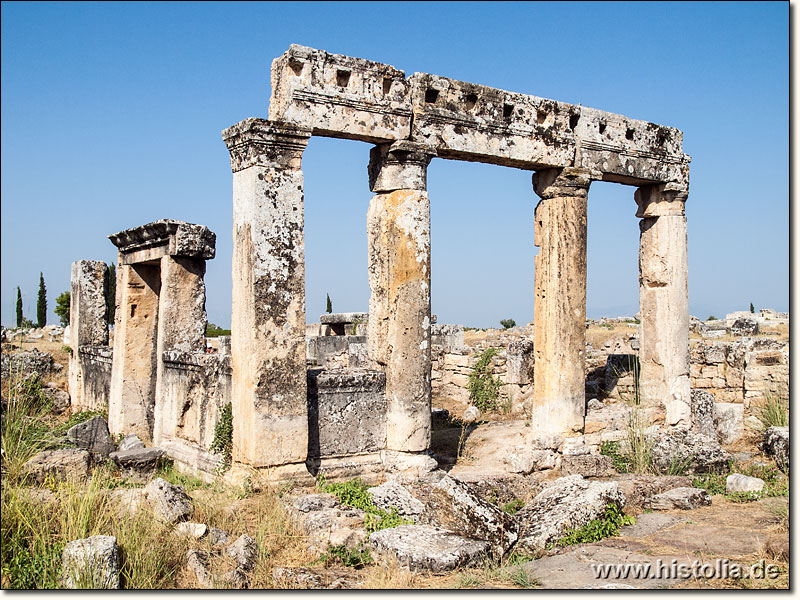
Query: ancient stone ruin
x,y
371,414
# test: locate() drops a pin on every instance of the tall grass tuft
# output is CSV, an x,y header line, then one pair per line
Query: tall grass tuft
x,y
774,410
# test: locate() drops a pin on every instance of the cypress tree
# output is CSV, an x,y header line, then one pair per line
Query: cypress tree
x,y
19,307
41,303
111,292
328,305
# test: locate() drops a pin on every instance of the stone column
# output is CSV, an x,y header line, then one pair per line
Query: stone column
x,y
131,402
664,301
398,338
560,302
181,326
268,322
87,321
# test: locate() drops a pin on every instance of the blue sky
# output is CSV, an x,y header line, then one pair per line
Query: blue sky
x,y
112,112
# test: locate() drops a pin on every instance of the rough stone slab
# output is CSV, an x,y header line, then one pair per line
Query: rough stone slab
x,y
166,237
88,323
648,524
314,579
684,498
730,422
736,482
91,563
170,502
456,506
143,460
343,318
701,453
637,488
130,442
93,436
197,561
588,465
776,445
392,494
346,412
568,503
63,465
191,530
712,540
425,548
244,551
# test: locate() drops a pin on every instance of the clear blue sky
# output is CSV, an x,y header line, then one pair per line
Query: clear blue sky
x,y
111,118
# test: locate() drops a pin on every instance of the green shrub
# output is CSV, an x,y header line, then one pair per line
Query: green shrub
x,y
508,323
483,387
621,461
356,558
597,529
62,307
223,437
513,507
713,483
354,493
213,331
711,318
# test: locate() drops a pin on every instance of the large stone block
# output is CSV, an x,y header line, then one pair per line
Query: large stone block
x,y
424,548
346,412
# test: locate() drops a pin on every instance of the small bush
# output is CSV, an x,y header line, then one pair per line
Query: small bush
x,y
711,318
223,437
597,529
774,411
356,558
513,507
621,461
483,387
213,331
508,323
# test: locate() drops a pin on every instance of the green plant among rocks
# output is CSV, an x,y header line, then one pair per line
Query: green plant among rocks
x,y
774,411
483,387
349,557
354,493
223,437
597,529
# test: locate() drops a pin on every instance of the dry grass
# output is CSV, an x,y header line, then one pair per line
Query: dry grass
x,y
599,335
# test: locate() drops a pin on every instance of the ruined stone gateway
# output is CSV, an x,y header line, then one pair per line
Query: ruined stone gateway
x,y
374,415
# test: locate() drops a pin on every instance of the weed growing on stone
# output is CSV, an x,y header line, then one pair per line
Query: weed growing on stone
x,y
349,557
774,410
483,387
223,437
513,507
597,529
521,578
354,493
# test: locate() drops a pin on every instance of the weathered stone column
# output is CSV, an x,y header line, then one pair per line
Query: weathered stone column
x,y
268,322
560,302
398,339
131,402
87,322
664,301
181,326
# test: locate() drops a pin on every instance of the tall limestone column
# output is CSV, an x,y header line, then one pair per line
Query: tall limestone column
x,y
399,242
87,323
268,321
560,302
664,301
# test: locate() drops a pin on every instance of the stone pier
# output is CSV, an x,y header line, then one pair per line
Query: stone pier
x,y
88,327
160,307
268,322
664,301
398,338
560,302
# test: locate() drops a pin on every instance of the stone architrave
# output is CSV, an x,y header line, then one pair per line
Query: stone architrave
x,y
560,301
268,321
398,339
88,324
664,301
160,306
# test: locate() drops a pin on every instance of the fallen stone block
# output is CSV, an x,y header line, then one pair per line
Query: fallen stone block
x,y
170,503
314,579
91,563
197,561
699,453
776,445
130,442
92,435
638,488
244,551
392,494
730,422
138,461
588,465
191,530
456,506
684,498
128,500
59,398
568,503
69,464
737,482
425,548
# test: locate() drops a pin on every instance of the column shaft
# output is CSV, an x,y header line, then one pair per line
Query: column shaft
x,y
398,338
181,326
664,303
560,302
268,313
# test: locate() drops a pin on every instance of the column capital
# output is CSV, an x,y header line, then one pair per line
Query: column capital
x,y
259,142
567,181
661,200
401,165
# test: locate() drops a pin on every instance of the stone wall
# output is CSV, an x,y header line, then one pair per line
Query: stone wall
x,y
196,387
94,382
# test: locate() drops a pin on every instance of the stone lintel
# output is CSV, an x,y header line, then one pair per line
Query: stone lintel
x,y
341,96
661,200
343,318
166,237
401,165
265,143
